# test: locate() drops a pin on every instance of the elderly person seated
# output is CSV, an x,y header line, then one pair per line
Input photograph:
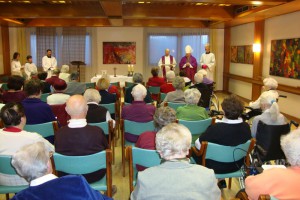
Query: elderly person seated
x,y
176,96
46,86
270,115
113,89
78,138
230,131
106,97
138,111
54,77
13,137
278,182
33,163
205,90
175,177
137,79
75,87
58,97
36,111
96,113
15,91
155,80
186,79
206,80
191,111
64,73
168,86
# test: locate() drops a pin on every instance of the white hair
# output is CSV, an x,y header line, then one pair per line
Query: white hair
x,y
269,99
198,78
64,69
173,140
192,96
31,161
137,78
203,72
178,83
92,95
170,75
139,92
290,145
271,83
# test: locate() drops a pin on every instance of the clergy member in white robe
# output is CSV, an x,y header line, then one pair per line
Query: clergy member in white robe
x,y
208,62
30,67
167,63
15,65
49,63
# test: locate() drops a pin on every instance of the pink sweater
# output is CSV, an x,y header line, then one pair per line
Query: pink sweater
x,y
277,182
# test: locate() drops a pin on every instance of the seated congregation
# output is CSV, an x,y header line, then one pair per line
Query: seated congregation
x,y
184,171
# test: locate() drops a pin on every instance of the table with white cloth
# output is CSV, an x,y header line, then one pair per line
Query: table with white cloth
x,y
119,78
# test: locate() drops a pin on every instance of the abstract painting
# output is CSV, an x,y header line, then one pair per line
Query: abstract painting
x,y
233,54
285,58
119,53
249,54
241,54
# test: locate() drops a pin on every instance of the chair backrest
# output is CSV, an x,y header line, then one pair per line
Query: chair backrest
x,y
4,86
90,85
61,114
6,167
80,164
154,90
116,84
226,154
44,129
205,96
163,96
268,139
107,128
44,97
128,84
111,107
174,105
196,127
137,128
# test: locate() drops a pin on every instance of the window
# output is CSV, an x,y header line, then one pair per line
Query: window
x,y
176,43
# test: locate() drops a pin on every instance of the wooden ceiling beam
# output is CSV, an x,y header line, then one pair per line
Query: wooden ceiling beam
x,y
65,22
50,11
132,11
173,23
112,8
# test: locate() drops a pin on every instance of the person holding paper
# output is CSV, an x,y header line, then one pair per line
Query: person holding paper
x,y
49,62
208,62
188,63
167,63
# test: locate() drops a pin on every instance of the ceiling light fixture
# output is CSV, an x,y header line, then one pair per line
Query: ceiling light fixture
x,y
141,2
256,2
199,4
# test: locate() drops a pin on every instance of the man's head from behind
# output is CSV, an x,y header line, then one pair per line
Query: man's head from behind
x,y
77,107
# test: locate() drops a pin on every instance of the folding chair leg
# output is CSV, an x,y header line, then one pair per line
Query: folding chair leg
x,y
229,183
7,196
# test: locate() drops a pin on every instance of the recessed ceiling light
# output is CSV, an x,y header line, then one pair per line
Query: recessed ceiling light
x,y
256,2
141,2
26,2
61,1
199,4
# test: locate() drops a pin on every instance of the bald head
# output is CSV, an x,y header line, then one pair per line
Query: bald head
x,y
207,48
77,107
167,52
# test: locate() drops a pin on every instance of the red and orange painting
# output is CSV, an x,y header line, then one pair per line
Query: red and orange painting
x,y
119,53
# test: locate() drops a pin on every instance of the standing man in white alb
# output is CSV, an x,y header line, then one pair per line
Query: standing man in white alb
x,y
49,63
208,62
167,63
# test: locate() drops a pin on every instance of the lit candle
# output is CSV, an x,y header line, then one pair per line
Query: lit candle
x,y
132,69
129,68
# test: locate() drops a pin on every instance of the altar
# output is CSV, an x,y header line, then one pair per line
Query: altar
x,y
119,78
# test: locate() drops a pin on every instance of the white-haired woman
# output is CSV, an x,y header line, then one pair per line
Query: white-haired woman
x,y
96,113
191,111
175,178
176,96
64,73
270,115
278,182
206,80
33,163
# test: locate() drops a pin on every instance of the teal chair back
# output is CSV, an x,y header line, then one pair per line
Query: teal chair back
x,y
154,90
90,85
128,84
7,168
273,198
175,105
4,86
44,97
111,107
137,128
196,127
46,129
107,129
137,157
86,164
116,84
163,96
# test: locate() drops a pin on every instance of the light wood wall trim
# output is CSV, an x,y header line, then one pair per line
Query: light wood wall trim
x,y
284,88
5,49
227,38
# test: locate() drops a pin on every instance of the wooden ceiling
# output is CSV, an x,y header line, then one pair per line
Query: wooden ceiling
x,y
142,13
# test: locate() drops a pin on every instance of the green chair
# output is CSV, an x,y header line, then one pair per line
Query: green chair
x,y
107,127
87,164
136,156
128,84
44,97
197,127
135,128
225,154
155,93
174,105
6,168
114,110
116,84
4,86
47,130
163,96
90,85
